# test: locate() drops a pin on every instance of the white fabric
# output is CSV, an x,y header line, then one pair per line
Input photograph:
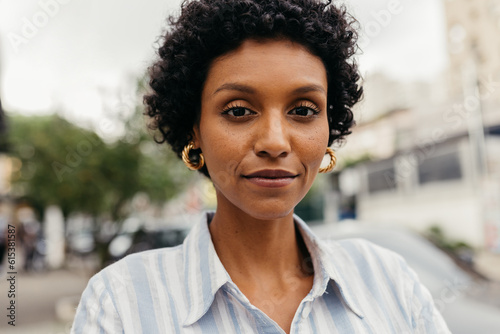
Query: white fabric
x,y
358,288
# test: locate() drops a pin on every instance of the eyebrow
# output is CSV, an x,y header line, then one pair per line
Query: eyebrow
x,y
249,90
309,88
235,86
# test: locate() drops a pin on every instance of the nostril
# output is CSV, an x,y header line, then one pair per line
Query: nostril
x,y
272,138
265,153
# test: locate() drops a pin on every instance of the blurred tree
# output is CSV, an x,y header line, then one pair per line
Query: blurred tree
x,y
159,174
55,163
3,130
59,163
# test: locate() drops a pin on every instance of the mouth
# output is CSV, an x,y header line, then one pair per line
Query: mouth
x,y
271,178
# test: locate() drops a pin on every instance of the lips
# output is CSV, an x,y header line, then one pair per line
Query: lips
x,y
271,178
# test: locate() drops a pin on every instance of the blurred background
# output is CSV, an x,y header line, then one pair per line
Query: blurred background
x,y
84,183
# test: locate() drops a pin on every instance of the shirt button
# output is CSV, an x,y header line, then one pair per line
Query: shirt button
x,y
306,310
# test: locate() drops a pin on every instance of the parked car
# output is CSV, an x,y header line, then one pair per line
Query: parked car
x,y
136,235
127,243
465,301
81,243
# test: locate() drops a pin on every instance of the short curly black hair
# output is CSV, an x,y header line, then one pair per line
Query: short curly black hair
x,y
207,29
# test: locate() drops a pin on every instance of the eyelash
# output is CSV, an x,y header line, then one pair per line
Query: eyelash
x,y
233,106
308,105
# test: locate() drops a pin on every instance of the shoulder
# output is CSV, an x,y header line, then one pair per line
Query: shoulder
x,y
136,276
361,253
363,264
390,281
143,266
132,288
391,275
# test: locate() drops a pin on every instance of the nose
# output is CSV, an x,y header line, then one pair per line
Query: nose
x,y
272,137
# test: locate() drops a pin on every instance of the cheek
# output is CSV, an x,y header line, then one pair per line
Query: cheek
x,y
317,142
220,156
313,150
316,156
223,173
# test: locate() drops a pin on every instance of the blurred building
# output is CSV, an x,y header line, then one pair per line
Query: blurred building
x,y
474,54
418,180
402,95
473,28
428,154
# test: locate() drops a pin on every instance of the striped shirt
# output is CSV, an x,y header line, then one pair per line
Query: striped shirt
x,y
358,288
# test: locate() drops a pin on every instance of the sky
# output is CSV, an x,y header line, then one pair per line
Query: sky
x,y
82,56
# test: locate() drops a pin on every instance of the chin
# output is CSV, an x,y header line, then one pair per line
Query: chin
x,y
257,207
269,212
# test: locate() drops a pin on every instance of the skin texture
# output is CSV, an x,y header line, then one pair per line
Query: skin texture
x,y
263,107
207,29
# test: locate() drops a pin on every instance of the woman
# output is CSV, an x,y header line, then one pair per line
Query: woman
x,y
252,93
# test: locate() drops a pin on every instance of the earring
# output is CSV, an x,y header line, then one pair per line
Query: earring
x,y
333,161
185,158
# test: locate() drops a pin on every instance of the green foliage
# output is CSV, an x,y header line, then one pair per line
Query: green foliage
x,y
437,236
62,164
353,162
57,163
161,174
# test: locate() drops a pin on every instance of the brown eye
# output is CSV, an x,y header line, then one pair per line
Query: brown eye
x,y
238,112
303,111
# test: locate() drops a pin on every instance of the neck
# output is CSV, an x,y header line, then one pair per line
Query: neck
x,y
255,251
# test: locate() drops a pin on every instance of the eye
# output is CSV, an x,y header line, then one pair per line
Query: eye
x,y
236,111
302,111
306,109
239,111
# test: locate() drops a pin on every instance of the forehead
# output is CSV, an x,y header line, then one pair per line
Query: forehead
x,y
267,60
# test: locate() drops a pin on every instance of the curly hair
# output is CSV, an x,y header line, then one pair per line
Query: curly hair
x,y
207,29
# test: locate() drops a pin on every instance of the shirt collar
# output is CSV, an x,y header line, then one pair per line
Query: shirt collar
x,y
205,274
330,267
203,271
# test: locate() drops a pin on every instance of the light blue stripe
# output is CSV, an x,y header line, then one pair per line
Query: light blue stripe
x,y
264,323
204,265
426,312
364,319
367,276
418,288
169,294
337,310
208,324
187,259
142,291
110,293
405,315
101,312
81,315
108,288
313,323
230,306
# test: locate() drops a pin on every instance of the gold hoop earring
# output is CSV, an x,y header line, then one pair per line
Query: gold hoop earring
x,y
333,161
187,161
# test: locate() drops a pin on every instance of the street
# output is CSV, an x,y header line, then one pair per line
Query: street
x,y
37,297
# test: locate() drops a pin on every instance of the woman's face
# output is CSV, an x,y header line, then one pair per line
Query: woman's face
x,y
263,128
